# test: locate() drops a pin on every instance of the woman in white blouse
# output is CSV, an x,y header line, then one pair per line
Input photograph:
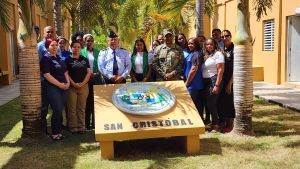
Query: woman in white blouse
x,y
141,64
212,72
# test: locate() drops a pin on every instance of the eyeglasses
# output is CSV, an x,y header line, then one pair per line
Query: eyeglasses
x,y
225,36
49,31
90,41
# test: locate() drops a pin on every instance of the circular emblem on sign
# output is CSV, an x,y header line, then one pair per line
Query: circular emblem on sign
x,y
143,98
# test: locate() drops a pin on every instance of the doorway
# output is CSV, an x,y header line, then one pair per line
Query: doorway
x,y
293,49
12,54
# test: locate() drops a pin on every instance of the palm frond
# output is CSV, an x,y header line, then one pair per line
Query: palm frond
x,y
172,10
4,14
210,8
25,15
261,6
40,4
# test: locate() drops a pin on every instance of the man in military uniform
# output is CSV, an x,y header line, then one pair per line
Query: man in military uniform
x,y
114,63
169,60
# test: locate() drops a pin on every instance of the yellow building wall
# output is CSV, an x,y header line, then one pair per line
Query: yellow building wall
x,y
269,60
288,10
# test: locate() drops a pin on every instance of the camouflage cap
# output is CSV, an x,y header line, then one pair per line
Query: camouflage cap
x,y
168,31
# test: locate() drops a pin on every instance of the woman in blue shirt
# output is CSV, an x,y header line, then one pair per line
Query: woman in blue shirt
x,y
193,74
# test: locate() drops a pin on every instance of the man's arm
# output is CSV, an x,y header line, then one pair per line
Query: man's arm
x,y
156,63
102,63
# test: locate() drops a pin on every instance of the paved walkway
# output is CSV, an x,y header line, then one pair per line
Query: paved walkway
x,y
284,96
9,92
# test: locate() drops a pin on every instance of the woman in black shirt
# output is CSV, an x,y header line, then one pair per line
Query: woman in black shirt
x,y
79,71
57,82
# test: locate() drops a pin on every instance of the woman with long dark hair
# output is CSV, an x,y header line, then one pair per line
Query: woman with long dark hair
x,y
212,72
141,64
181,41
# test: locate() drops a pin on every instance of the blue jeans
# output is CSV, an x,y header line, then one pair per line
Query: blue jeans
x,y
198,99
45,105
57,97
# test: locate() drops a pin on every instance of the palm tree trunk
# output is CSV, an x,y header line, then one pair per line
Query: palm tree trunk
x,y
200,17
58,17
30,84
242,74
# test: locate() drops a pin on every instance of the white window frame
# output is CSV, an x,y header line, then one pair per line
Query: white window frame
x,y
269,27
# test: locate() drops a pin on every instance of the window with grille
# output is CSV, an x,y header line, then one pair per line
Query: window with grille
x,y
269,35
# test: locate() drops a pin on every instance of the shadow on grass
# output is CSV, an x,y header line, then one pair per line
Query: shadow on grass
x,y
272,120
161,149
293,144
47,153
39,152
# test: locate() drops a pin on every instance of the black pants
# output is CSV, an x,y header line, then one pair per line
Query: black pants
x,y
210,98
139,77
89,109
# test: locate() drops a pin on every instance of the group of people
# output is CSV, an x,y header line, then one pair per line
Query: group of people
x,y
68,77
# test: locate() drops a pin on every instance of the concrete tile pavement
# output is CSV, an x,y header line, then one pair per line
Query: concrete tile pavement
x,y
284,96
9,92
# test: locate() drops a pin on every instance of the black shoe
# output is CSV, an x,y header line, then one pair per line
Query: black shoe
x,y
80,132
57,138
88,128
63,137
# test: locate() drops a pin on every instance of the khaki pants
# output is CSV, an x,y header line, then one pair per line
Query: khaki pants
x,y
76,102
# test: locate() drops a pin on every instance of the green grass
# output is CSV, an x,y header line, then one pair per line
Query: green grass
x,y
276,145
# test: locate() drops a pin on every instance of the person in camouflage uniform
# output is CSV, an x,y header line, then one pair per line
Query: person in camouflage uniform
x,y
168,59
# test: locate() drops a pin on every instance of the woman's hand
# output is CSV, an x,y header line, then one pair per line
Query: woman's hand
x,y
215,90
144,80
228,89
64,86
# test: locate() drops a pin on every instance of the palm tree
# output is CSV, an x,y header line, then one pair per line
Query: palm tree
x,y
58,17
30,86
84,13
242,74
200,17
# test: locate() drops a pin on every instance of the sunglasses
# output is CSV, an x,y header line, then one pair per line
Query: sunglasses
x,y
49,31
90,41
226,36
